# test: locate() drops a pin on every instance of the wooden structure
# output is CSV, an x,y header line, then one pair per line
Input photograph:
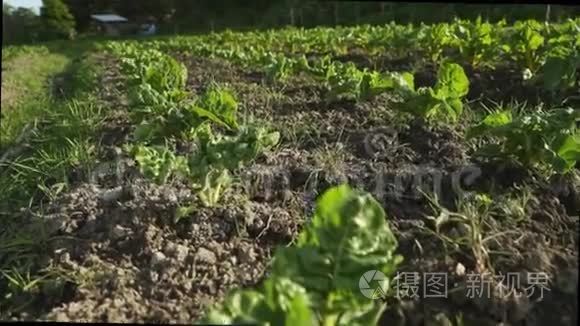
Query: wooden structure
x,y
109,24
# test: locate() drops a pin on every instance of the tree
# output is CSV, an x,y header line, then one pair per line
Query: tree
x,y
57,19
19,25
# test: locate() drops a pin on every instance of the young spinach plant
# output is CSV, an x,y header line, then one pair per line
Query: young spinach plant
x,y
545,138
443,101
316,282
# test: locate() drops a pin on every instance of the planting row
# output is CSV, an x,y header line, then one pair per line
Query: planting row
x,y
547,54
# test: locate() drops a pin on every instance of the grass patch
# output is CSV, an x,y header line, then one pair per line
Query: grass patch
x,y
60,145
25,91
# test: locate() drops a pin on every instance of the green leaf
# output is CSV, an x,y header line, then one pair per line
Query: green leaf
x,y
454,108
318,278
569,150
220,106
535,40
406,80
497,119
492,120
451,81
240,307
546,138
145,132
347,237
214,185
159,163
278,302
559,72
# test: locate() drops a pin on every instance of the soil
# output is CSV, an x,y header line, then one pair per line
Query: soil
x,y
118,233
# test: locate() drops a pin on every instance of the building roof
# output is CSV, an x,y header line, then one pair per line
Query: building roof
x,y
109,18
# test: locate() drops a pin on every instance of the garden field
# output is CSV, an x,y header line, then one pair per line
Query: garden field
x,y
391,175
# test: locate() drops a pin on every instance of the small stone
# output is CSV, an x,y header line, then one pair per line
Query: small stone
x,y
181,252
460,269
111,195
170,249
117,150
205,256
117,302
118,232
153,276
246,256
170,196
211,287
157,258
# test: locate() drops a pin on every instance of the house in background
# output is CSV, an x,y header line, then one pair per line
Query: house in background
x,y
110,24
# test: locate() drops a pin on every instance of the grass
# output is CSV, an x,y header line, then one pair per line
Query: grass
x,y
45,139
26,91
472,228
64,141
331,158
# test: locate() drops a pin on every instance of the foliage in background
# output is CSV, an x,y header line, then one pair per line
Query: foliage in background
x,y
525,43
478,41
58,22
184,16
20,25
562,58
179,16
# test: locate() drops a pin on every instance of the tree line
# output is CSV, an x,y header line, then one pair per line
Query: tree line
x,y
64,18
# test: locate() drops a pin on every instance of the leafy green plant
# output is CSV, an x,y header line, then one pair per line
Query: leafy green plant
x,y
215,183
436,38
560,70
477,41
443,101
323,68
375,83
165,73
315,282
217,151
218,105
159,163
156,81
549,138
347,81
165,116
277,67
149,102
525,44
